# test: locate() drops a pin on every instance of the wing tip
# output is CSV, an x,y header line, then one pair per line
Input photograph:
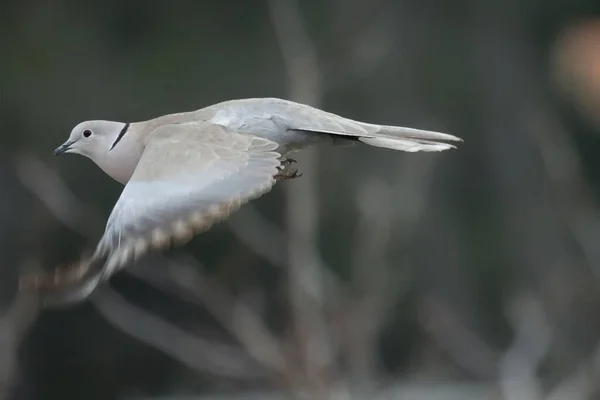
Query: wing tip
x,y
66,285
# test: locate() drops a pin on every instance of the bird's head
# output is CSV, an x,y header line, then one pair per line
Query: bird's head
x,y
105,143
93,139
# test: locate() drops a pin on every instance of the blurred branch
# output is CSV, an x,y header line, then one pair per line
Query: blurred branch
x,y
269,241
365,36
518,365
260,235
396,390
47,185
515,369
185,280
522,128
19,317
298,52
465,347
193,351
581,385
375,283
572,192
305,273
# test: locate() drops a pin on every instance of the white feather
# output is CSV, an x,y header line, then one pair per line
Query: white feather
x,y
410,145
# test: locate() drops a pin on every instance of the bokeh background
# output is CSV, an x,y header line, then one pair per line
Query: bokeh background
x,y
468,274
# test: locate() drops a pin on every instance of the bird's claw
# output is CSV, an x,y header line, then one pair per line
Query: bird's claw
x,y
286,171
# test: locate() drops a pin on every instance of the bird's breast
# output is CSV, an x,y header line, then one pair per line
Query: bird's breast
x,y
120,162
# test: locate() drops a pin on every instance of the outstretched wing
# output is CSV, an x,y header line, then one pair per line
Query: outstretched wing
x,y
189,176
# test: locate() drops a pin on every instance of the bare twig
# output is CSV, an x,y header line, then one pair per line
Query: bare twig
x,y
376,286
465,347
305,276
193,351
269,241
185,280
404,390
518,366
13,325
47,185
299,54
516,117
578,386
563,165
259,234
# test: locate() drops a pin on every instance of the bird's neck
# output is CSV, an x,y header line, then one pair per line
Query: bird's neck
x,y
120,162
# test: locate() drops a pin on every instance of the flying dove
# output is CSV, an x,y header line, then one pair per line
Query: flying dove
x,y
183,172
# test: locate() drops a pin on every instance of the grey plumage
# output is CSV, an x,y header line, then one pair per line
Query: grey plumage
x,y
185,171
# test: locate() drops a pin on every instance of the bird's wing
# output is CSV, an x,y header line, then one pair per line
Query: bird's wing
x,y
189,176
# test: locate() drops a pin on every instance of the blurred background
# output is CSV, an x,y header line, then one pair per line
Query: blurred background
x,y
468,274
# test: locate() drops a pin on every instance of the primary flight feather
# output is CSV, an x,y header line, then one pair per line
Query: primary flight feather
x,y
182,172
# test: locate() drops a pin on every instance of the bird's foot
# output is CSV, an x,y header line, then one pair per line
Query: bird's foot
x,y
286,171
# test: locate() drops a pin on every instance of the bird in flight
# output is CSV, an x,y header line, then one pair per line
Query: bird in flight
x,y
182,172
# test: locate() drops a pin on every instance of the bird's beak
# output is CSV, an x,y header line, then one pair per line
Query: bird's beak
x,y
63,148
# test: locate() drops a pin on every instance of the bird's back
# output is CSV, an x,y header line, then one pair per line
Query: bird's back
x,y
294,126
271,118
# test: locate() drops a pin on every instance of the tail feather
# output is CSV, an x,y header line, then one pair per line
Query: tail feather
x,y
391,137
412,133
406,144
409,139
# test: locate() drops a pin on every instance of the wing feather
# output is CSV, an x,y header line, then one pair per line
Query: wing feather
x,y
189,176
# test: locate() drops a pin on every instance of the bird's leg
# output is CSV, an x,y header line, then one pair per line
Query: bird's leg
x,y
286,171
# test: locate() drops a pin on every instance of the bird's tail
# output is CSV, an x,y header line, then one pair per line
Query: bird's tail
x,y
409,139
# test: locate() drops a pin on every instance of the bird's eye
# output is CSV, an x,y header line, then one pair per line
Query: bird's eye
x,y
87,133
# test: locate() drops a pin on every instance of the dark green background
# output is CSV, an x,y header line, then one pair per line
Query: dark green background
x,y
494,221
